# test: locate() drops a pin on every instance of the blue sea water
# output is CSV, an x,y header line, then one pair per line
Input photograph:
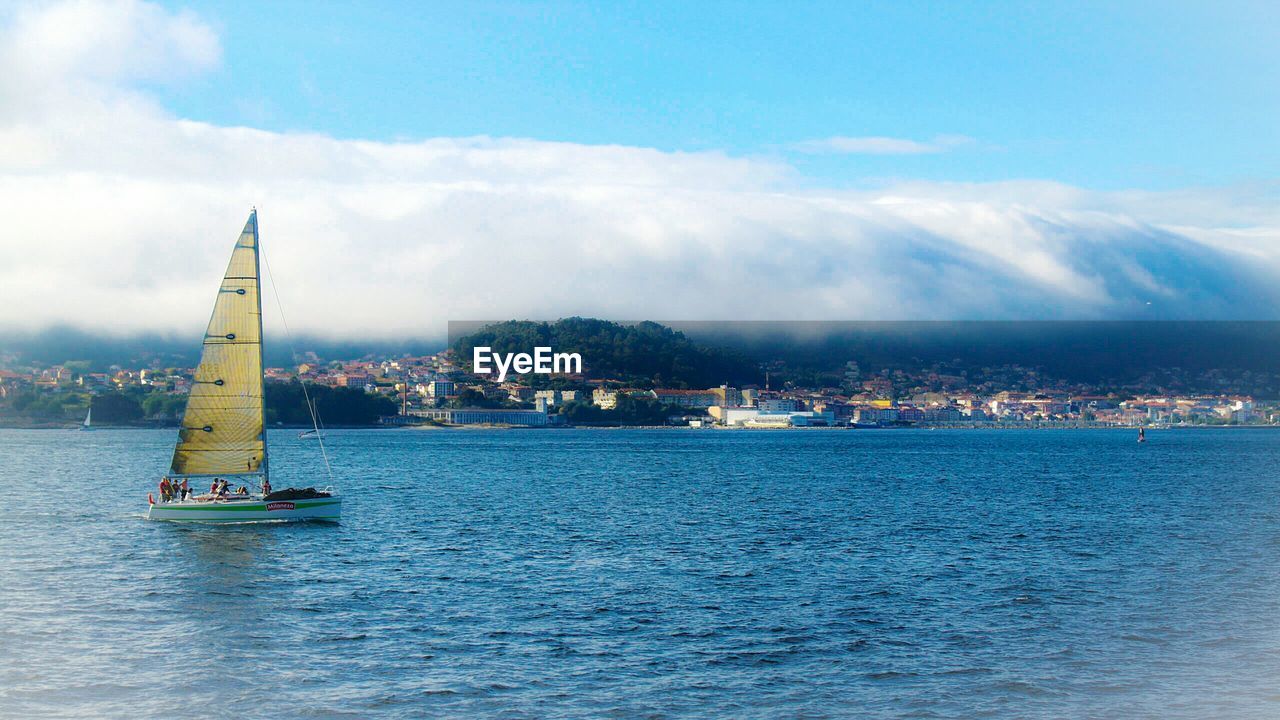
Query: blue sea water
x,y
656,573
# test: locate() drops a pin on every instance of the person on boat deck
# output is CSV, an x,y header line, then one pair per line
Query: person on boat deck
x,y
242,490
185,489
266,487
166,489
213,489
222,488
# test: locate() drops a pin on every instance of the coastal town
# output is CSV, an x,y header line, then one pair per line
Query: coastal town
x,y
437,389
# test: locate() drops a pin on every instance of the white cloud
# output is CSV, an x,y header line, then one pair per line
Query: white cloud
x,y
875,145
120,216
54,53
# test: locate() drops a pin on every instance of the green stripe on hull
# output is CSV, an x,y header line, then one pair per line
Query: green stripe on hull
x,y
255,507
322,509
309,518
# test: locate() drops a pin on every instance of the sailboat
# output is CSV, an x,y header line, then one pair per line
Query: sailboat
x,y
315,417
88,416
222,437
1142,435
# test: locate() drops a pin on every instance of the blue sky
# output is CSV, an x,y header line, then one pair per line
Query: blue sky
x,y
1102,95
704,161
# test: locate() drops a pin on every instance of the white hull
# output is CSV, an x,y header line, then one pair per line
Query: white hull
x,y
223,426
248,510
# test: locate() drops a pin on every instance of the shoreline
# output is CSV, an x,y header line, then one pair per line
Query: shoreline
x,y
721,428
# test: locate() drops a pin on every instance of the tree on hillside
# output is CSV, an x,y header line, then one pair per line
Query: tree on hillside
x,y
164,405
645,354
287,404
470,398
115,407
629,411
44,406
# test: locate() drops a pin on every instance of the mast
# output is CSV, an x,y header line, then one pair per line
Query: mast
x,y
262,365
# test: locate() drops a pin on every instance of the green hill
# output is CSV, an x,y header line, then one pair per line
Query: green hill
x,y
645,354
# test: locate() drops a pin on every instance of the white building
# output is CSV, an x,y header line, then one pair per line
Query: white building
x,y
778,405
875,415
485,416
731,416
769,420
605,399
555,397
753,417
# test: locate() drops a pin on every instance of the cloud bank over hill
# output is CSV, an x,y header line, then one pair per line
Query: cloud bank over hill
x,y
120,216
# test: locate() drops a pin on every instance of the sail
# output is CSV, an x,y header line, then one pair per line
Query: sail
x,y
222,427
87,416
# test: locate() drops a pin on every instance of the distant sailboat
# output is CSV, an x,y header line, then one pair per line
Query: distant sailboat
x,y
223,431
1142,435
87,424
317,431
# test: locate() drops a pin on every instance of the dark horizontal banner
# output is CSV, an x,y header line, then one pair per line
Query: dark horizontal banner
x,y
1192,356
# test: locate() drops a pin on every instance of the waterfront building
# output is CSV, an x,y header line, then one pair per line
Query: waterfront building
x,y
841,412
731,416
943,414
488,416
778,405
976,414
604,399
725,395
767,420
686,398
875,415
910,414
754,417
810,418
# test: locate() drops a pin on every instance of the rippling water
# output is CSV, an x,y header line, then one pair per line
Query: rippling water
x,y
656,573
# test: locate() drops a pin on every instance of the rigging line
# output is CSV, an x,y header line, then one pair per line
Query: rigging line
x,y
293,353
320,430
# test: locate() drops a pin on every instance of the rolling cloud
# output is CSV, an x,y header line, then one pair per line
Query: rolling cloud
x,y
120,216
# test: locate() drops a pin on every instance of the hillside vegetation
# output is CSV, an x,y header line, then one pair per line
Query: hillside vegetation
x,y
645,354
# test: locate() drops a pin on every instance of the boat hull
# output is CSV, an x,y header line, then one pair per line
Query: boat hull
x,y
242,511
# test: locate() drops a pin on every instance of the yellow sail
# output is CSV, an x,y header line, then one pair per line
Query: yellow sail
x,y
222,428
